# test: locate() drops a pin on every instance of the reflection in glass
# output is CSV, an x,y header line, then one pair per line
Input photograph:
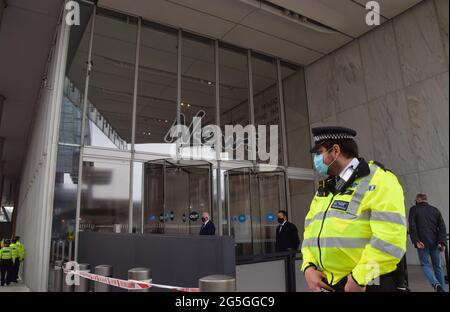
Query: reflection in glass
x,y
65,200
296,111
74,81
175,197
138,177
111,85
105,196
197,79
253,200
234,93
301,193
266,99
157,86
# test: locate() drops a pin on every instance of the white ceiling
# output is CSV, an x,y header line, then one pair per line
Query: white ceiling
x,y
25,38
245,23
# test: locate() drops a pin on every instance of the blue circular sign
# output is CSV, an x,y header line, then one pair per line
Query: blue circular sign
x,y
270,217
152,217
242,218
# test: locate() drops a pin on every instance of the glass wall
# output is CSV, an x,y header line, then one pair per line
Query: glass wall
x,y
111,84
301,194
254,199
170,199
296,112
104,205
197,79
157,86
266,100
234,91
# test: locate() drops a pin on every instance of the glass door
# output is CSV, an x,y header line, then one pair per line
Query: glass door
x,y
175,196
253,199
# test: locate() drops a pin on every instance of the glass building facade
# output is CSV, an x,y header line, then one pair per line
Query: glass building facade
x,y
128,81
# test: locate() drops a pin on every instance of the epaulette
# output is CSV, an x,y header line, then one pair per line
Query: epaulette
x,y
381,166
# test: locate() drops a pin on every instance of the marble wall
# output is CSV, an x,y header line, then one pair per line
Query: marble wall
x,y
392,86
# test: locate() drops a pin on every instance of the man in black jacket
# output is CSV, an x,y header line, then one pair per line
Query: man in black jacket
x,y
287,234
428,234
208,227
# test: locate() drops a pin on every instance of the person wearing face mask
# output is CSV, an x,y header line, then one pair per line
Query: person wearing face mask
x,y
287,234
208,227
355,230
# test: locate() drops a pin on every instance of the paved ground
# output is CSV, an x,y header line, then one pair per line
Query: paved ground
x,y
19,287
417,282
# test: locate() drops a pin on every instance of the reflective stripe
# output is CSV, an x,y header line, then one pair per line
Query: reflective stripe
x,y
337,242
360,191
386,247
392,217
339,215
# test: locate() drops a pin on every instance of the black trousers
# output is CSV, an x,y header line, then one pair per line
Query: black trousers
x,y
387,284
15,274
6,271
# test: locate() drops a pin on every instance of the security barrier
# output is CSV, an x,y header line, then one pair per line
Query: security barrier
x,y
139,279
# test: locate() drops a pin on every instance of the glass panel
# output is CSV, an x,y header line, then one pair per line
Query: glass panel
x,y
111,85
271,198
65,200
175,197
138,169
301,194
266,100
153,198
254,200
297,120
157,91
105,196
197,79
74,81
234,93
240,211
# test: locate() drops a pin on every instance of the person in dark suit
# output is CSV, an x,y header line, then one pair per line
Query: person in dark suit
x,y
208,227
287,234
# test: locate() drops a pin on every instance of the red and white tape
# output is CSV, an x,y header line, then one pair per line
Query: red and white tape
x,y
125,284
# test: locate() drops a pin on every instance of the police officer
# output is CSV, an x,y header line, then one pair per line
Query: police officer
x,y
355,230
20,251
7,257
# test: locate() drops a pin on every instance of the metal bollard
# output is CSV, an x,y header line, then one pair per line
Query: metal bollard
x,y
104,270
65,286
84,282
217,283
57,276
140,274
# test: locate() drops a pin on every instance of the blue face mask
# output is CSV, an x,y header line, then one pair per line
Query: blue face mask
x,y
320,165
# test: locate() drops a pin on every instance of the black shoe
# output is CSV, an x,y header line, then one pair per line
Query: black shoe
x,y
438,288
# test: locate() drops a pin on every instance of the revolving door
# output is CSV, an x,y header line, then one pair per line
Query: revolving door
x,y
253,199
175,195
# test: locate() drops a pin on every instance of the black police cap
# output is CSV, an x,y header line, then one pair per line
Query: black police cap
x,y
326,134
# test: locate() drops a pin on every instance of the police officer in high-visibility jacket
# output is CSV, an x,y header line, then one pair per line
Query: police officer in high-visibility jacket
x,y
355,230
20,257
7,257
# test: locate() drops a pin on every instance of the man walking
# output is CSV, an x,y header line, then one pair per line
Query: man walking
x,y
428,233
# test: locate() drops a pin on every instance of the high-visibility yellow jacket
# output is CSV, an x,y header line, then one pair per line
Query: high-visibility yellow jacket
x,y
14,250
20,251
361,230
8,253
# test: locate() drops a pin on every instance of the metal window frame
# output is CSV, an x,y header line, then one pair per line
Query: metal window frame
x,y
291,173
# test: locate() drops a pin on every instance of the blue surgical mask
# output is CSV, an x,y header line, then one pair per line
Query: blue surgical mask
x,y
320,165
